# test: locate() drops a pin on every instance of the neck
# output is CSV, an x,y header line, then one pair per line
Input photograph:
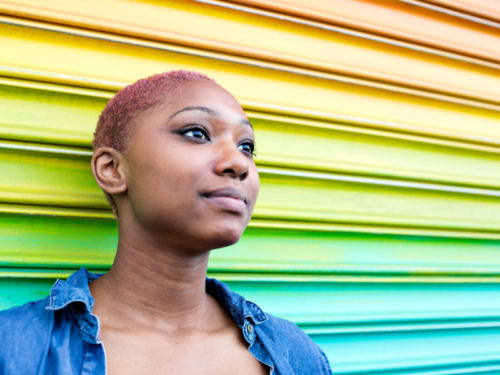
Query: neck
x,y
152,283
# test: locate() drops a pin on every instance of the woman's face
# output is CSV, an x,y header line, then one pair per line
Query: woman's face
x,y
190,173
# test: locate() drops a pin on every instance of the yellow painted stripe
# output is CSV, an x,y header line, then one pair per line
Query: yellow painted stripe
x,y
246,33
97,63
291,142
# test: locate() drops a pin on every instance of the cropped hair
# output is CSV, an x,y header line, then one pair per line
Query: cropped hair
x,y
115,123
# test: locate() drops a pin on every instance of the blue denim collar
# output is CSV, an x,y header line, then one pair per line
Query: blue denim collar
x,y
243,312
239,308
74,289
73,295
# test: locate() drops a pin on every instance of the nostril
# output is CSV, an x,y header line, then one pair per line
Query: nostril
x,y
229,170
244,175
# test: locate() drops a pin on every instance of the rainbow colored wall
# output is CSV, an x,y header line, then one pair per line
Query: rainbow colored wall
x,y
377,229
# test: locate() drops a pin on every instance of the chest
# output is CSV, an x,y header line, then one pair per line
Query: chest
x,y
153,353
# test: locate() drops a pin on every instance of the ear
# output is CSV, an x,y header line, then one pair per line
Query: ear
x,y
108,169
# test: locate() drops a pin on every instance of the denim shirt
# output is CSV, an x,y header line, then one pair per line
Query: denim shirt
x,y
59,335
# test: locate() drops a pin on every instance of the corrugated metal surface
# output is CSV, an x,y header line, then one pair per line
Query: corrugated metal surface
x,y
377,226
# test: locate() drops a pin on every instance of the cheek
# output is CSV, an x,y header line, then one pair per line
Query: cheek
x,y
167,177
254,182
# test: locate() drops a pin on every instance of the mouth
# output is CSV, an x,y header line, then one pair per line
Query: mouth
x,y
229,199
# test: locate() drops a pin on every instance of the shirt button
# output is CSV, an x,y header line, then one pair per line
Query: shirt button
x,y
249,328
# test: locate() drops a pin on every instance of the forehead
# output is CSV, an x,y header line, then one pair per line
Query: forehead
x,y
204,93
223,107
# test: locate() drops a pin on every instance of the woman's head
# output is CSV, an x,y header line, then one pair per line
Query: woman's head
x,y
175,152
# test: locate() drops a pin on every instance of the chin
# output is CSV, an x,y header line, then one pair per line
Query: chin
x,y
226,235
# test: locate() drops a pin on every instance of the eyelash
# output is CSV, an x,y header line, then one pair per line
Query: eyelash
x,y
193,128
252,148
205,132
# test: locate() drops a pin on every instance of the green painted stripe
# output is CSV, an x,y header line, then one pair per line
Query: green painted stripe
x,y
64,242
34,178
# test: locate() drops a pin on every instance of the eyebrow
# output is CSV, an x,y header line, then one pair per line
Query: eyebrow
x,y
211,112
246,122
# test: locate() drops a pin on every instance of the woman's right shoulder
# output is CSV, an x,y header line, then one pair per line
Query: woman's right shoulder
x,y
24,333
25,317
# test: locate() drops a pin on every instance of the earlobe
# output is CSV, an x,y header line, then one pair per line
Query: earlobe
x,y
108,169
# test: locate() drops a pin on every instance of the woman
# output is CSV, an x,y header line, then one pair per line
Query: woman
x,y
173,154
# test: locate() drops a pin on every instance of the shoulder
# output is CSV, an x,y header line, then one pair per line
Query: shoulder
x,y
291,350
301,351
31,317
24,335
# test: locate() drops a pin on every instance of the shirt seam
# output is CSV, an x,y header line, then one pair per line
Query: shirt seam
x,y
326,360
53,292
47,348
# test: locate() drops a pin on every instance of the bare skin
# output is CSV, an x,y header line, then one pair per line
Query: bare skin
x,y
156,317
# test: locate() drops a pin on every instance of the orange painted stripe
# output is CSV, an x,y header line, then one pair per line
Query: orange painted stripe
x,y
488,9
395,19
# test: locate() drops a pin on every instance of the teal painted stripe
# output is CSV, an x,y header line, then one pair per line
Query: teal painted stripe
x,y
471,351
327,308
364,328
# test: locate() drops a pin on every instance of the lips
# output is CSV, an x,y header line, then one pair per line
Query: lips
x,y
229,199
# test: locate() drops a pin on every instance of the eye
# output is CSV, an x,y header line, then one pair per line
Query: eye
x,y
197,133
247,147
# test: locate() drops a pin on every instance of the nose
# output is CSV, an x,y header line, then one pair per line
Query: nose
x,y
231,161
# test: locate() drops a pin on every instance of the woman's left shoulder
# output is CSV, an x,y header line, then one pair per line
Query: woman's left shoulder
x,y
300,349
